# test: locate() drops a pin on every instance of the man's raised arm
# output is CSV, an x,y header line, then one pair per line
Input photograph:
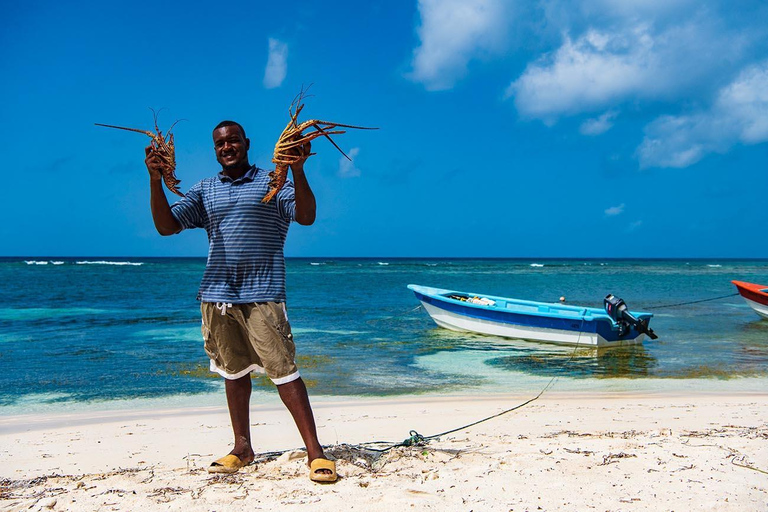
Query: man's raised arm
x,y
306,207
165,222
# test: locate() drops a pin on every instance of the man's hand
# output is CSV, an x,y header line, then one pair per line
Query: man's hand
x,y
155,164
303,152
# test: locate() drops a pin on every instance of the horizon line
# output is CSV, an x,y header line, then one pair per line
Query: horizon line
x,y
729,258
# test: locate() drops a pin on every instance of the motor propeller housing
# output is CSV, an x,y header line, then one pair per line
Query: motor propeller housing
x,y
618,311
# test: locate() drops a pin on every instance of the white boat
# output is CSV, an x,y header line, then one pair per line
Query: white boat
x,y
530,320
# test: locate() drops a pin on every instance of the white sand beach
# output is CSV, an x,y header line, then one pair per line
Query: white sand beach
x,y
561,452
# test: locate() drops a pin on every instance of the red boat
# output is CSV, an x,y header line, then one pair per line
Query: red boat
x,y
756,296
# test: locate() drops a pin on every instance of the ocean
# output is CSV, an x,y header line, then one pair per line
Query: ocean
x,y
85,333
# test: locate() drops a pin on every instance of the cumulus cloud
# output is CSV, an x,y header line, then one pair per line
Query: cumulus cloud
x,y
598,125
347,168
277,64
625,61
454,32
738,115
615,210
594,71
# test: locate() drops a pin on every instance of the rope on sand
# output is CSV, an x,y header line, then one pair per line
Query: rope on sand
x,y
416,439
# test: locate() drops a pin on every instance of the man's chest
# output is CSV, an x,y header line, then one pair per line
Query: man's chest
x,y
241,199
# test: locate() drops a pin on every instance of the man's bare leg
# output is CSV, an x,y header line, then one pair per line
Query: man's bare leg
x,y
294,396
238,401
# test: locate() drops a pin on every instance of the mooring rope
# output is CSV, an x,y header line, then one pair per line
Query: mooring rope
x,y
692,302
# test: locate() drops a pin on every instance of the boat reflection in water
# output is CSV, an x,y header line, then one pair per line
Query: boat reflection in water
x,y
625,361
545,359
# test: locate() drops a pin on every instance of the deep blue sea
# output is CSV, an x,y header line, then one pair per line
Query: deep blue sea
x,y
85,332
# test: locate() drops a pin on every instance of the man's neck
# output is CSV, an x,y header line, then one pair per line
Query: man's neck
x,y
236,172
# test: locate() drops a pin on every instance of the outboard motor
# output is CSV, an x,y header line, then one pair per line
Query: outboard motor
x,y
618,311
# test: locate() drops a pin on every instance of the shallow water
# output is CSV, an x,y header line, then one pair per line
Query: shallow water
x,y
74,331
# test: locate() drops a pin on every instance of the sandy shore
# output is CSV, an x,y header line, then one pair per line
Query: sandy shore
x,y
561,452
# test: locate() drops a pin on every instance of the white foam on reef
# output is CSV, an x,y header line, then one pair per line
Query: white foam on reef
x,y
35,262
316,263
382,263
57,262
714,266
133,263
536,265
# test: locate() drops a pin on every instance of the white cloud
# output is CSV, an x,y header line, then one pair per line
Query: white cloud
x,y
452,33
634,226
626,60
745,101
277,64
615,210
347,168
597,70
738,115
598,125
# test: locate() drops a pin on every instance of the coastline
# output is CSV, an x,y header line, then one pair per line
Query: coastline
x,y
152,314
497,382
574,450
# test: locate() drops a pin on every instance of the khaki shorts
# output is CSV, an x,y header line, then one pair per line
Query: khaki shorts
x,y
241,338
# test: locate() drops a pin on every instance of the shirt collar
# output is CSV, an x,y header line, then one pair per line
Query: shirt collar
x,y
249,175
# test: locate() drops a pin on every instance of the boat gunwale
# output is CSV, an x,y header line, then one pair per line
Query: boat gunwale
x,y
751,287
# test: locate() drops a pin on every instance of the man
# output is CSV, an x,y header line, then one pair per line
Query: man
x,y
242,293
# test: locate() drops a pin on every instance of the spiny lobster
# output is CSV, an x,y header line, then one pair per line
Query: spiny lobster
x,y
163,147
293,138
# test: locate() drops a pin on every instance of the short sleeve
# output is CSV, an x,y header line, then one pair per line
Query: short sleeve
x,y
286,202
189,210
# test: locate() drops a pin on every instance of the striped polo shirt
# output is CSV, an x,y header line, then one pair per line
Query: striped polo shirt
x,y
245,236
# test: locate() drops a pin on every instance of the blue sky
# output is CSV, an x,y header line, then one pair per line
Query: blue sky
x,y
601,128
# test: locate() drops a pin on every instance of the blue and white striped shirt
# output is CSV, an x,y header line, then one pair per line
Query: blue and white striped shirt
x,y
245,236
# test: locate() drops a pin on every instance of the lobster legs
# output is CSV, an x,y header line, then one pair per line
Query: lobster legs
x,y
293,138
163,147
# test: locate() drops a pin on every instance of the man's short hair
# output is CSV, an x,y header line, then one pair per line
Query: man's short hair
x,y
230,123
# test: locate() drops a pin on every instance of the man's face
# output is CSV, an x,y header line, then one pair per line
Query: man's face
x,y
231,147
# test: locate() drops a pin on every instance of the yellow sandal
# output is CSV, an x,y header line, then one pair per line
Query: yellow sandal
x,y
316,474
227,464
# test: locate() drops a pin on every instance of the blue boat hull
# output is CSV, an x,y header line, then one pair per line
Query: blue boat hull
x,y
527,320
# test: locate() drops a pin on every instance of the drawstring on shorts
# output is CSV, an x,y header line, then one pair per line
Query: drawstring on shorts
x,y
222,306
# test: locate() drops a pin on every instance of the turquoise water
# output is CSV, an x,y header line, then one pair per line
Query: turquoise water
x,y
76,331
